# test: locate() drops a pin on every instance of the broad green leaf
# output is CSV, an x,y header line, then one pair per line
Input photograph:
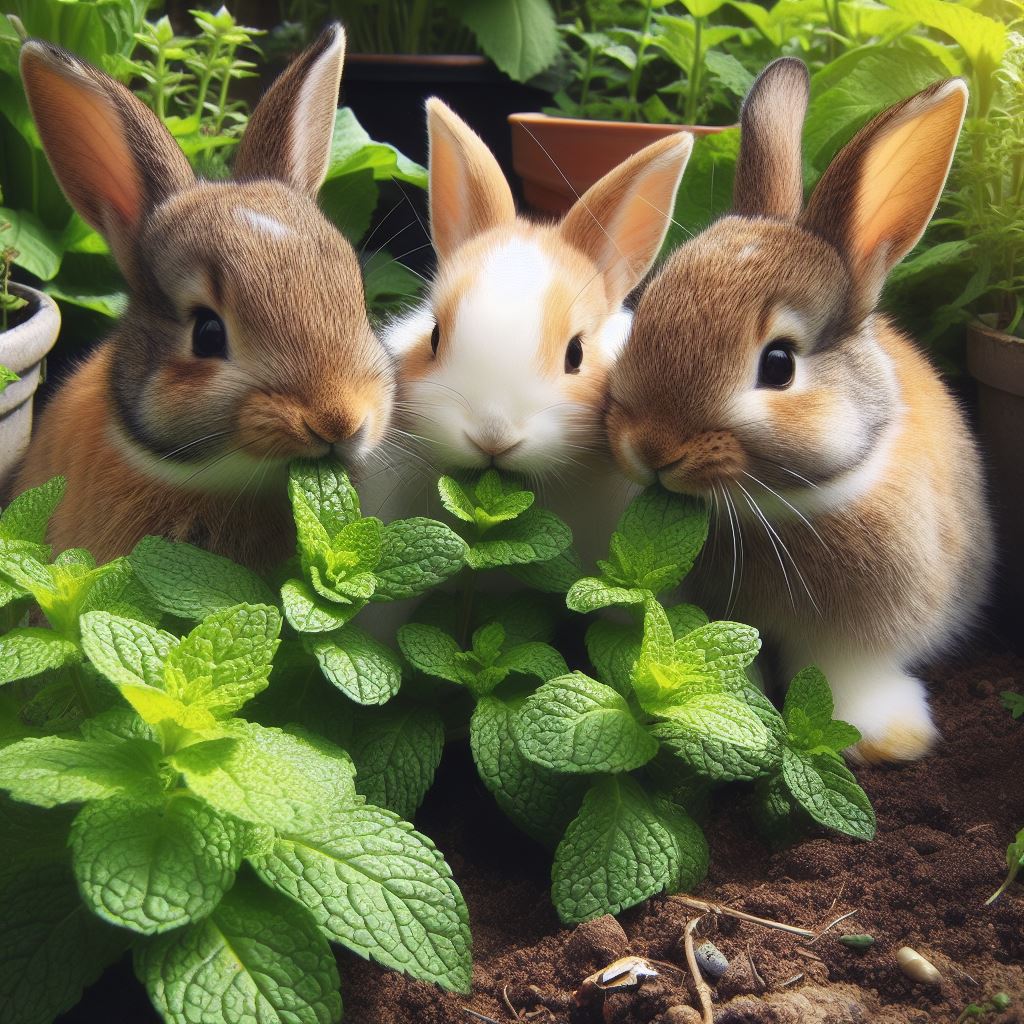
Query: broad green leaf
x,y
487,641
555,576
191,583
28,515
535,536
23,564
225,661
518,35
724,645
325,486
590,593
28,652
257,957
810,693
826,789
352,151
456,500
417,554
121,592
539,801
433,651
670,527
719,736
623,847
380,888
396,751
577,725
613,648
38,251
153,867
268,776
307,612
364,669
51,770
533,659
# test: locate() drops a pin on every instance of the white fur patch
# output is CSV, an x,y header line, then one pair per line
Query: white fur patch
x,y
262,223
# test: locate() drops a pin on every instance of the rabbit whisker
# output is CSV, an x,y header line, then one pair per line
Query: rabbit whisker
x,y
800,515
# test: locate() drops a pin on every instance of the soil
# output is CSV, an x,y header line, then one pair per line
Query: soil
x,y
943,827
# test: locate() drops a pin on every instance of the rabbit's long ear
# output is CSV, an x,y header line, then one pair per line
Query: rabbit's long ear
x,y
113,158
769,170
620,222
289,134
878,195
468,192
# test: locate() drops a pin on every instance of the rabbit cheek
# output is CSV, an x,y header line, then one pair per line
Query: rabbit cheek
x,y
698,464
274,425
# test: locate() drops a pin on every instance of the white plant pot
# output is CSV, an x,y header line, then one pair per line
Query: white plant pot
x,y
22,349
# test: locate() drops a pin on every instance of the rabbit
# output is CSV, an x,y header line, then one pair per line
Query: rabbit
x,y
505,362
245,341
852,524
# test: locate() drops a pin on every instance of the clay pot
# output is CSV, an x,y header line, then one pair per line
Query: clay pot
x,y
996,361
559,158
22,349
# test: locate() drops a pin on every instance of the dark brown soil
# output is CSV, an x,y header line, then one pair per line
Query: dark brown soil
x,y
943,829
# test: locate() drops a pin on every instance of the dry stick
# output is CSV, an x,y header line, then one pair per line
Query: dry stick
x,y
791,981
717,908
753,970
511,1008
479,1016
829,927
691,959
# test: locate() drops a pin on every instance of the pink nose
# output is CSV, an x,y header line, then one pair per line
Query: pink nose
x,y
493,446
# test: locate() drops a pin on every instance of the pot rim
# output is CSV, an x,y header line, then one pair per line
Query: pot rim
x,y
24,345
995,358
535,117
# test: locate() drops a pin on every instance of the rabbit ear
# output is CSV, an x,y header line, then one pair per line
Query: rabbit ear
x,y
289,134
878,195
468,192
620,222
769,170
113,158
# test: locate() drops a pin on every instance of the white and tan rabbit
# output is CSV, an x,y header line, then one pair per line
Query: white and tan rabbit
x,y
506,362
760,375
245,342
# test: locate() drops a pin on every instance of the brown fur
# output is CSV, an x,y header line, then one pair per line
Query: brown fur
x,y
152,438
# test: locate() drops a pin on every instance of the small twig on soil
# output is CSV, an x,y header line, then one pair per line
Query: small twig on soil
x,y
791,981
479,1016
839,896
717,908
753,971
807,953
830,926
666,965
703,992
508,1004
963,973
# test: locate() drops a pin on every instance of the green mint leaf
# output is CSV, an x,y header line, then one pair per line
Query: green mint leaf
x,y
417,554
325,487
364,669
809,691
613,648
575,724
837,736
257,957
308,612
533,659
719,736
225,661
456,500
535,536
21,563
50,770
487,642
539,801
670,529
363,540
153,867
115,725
724,645
311,536
555,576
827,790
662,689
685,618
28,652
380,888
268,776
51,945
396,751
1013,702
121,592
191,583
658,646
28,515
489,490
623,847
434,652
8,376
591,593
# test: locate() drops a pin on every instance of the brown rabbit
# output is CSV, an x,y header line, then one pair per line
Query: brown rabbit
x,y
245,342
853,527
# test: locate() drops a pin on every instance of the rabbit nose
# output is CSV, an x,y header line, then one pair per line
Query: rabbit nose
x,y
494,446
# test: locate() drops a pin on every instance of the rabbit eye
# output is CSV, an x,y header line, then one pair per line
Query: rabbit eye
x,y
209,336
435,338
778,365
574,355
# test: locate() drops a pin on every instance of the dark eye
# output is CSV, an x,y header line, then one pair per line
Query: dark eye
x,y
778,364
574,355
435,338
209,336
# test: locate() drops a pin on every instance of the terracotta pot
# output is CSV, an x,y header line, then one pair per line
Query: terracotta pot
x,y
22,349
996,361
559,158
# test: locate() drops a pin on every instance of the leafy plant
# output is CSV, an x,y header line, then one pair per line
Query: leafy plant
x,y
7,378
999,1002
1013,702
8,303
